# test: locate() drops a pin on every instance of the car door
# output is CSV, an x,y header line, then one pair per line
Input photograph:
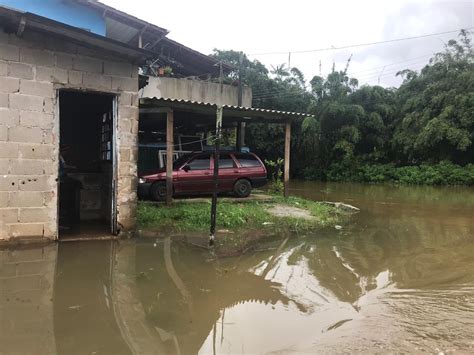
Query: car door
x,y
196,175
228,172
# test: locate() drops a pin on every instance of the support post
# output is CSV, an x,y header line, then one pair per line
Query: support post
x,y
169,156
240,136
216,175
286,173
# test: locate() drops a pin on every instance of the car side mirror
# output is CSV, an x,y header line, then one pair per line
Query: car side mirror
x,y
186,168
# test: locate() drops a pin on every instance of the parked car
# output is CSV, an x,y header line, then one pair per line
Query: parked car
x,y
194,174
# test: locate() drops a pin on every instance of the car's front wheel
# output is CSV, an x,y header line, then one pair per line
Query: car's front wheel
x,y
242,188
158,191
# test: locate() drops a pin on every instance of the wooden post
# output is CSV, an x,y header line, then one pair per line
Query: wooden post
x,y
286,173
240,136
169,156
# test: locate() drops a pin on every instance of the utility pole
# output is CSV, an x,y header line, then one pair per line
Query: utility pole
x,y
212,232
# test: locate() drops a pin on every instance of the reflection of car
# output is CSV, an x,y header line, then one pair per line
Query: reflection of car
x,y
194,173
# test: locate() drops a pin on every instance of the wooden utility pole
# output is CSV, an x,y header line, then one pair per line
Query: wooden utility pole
x,y
286,173
169,156
216,175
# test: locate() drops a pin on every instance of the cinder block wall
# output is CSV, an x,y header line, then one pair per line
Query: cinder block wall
x,y
32,69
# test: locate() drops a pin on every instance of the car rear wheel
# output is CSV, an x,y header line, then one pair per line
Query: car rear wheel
x,y
158,191
242,188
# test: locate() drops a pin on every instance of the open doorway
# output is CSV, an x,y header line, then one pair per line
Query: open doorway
x,y
87,165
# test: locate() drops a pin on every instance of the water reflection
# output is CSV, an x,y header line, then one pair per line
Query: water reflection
x,y
395,278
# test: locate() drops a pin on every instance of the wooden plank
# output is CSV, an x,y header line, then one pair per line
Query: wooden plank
x,y
286,174
169,156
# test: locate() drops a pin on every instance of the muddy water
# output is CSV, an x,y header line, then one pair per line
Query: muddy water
x,y
398,277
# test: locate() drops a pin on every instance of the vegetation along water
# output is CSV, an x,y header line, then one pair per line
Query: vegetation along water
x,y
419,133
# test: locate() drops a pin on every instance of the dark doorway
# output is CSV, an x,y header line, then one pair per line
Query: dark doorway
x,y
86,165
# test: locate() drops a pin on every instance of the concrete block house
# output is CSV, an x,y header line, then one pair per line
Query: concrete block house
x,y
69,82
82,93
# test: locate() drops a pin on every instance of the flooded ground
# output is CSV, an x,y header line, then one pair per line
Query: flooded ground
x,y
397,277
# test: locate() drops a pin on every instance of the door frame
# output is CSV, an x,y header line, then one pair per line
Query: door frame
x,y
114,177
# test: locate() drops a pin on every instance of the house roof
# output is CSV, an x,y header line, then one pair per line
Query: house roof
x,y
12,19
148,105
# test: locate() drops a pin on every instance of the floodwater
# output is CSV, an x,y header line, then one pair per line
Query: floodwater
x,y
397,277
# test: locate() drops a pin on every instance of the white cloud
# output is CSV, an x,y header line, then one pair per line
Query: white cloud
x,y
272,26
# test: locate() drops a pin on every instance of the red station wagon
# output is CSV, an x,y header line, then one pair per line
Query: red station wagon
x,y
194,174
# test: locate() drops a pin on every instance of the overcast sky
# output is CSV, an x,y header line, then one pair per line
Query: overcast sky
x,y
262,26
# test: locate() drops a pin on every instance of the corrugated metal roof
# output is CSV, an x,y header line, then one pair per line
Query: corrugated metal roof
x,y
230,107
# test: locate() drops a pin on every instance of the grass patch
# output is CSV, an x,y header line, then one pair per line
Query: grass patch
x,y
234,216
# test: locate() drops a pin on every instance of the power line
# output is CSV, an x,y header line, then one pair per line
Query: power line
x,y
362,44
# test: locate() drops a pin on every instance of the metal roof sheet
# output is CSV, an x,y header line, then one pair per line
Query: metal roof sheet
x,y
230,107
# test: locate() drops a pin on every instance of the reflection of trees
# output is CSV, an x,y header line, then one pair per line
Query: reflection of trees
x,y
418,252
210,285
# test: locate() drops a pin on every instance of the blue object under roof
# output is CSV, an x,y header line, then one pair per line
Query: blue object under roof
x,y
64,11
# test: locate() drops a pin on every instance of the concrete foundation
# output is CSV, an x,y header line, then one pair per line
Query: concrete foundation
x,y
33,68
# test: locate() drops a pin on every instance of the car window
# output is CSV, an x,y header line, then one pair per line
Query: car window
x,y
200,162
226,161
247,160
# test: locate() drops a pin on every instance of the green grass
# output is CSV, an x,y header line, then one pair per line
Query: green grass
x,y
234,216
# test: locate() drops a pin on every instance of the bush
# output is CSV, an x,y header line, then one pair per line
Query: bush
x,y
443,173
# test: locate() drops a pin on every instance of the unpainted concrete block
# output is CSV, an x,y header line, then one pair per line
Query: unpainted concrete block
x,y
124,84
9,52
20,70
3,199
8,150
9,215
36,119
8,182
128,112
36,151
29,167
118,68
50,230
36,183
3,133
26,102
64,61
5,165
9,117
25,134
33,215
87,64
50,74
9,85
48,106
32,87
75,77
36,56
4,100
95,81
26,199
3,68
125,125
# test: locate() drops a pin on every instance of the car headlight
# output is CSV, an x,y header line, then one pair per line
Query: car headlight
x,y
141,180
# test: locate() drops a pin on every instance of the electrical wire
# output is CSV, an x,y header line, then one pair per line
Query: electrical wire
x,y
361,44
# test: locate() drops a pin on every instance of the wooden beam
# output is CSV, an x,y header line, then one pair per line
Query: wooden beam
x,y
286,172
169,156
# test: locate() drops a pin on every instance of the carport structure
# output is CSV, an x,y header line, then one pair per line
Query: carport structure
x,y
163,113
